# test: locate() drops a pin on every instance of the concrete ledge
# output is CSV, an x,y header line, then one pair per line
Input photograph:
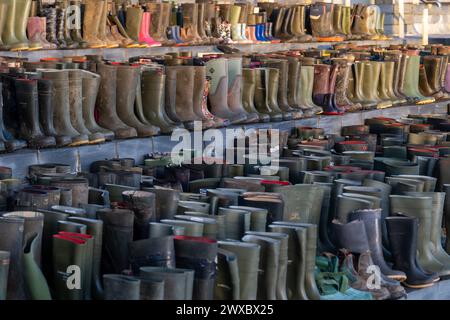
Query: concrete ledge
x,y
440,291
81,157
123,54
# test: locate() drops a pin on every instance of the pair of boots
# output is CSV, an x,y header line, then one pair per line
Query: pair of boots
x,y
324,25
431,74
138,26
116,106
289,23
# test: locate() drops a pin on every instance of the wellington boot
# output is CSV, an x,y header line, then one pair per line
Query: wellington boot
x,y
4,271
371,92
166,202
75,32
62,21
50,26
94,228
261,98
190,24
248,94
122,33
432,66
142,203
121,287
34,31
3,19
16,25
190,250
76,107
372,222
403,233
61,116
296,250
324,79
144,35
342,83
269,262
90,87
217,70
78,186
248,255
178,283
304,95
104,33
388,85
436,223
27,101
346,205
117,234
106,103
126,96
152,91
292,83
67,251
411,80
272,93
281,292
424,86
308,197
160,13
420,208
235,90
307,241
11,240
358,92
298,24
227,278
235,27
191,229
133,24
201,101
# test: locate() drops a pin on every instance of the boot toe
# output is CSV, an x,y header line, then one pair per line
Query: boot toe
x,y
62,141
108,135
252,118
238,118
264,117
276,117
13,145
287,116
79,140
42,142
96,138
125,133
147,131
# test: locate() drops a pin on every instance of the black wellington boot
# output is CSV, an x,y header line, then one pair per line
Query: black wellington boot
x,y
403,233
198,254
117,234
372,223
11,239
28,110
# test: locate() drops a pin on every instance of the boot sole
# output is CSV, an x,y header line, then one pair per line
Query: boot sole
x,y
97,141
20,49
398,278
80,143
418,286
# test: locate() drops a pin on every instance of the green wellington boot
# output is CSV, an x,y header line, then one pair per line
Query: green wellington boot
x,y
262,94
436,230
307,237
4,271
296,268
411,80
305,91
248,255
281,291
273,83
35,281
358,94
94,228
422,209
248,93
269,263
14,34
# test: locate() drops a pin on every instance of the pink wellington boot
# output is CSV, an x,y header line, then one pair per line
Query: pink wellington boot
x,y
144,35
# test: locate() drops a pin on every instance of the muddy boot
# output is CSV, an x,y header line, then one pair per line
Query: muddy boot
x,y
61,116
76,107
235,90
190,20
107,103
160,22
342,83
91,24
90,87
127,77
142,203
217,70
